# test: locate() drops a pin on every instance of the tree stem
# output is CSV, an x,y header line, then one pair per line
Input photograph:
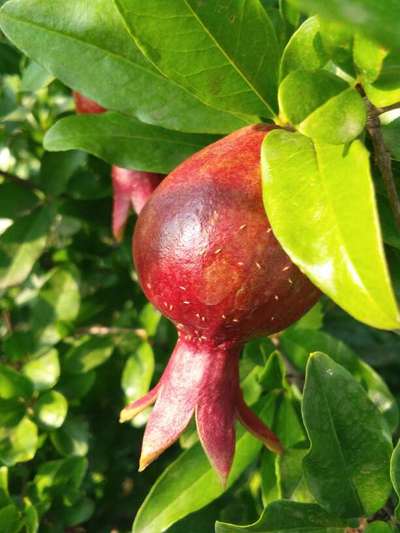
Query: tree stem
x,y
383,160
381,110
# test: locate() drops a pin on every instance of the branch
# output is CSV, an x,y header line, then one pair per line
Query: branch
x,y
383,160
387,108
103,330
19,181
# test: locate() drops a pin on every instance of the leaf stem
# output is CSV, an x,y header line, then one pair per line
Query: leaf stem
x,y
383,160
388,108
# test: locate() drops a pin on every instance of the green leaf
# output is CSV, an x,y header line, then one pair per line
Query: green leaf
x,y
13,384
378,527
88,354
313,319
16,201
347,467
368,58
43,371
150,318
79,513
337,40
51,409
385,90
57,304
379,20
327,190
31,517
391,135
9,519
304,50
287,424
329,111
72,438
22,244
18,443
225,53
12,411
297,344
9,59
54,36
55,478
138,373
35,77
395,475
76,386
190,483
57,169
124,141
291,517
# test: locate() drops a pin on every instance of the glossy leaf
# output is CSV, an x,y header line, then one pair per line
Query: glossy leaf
x,y
368,57
395,475
13,384
52,35
225,53
329,111
379,20
347,467
328,189
22,244
190,483
291,517
18,443
378,527
51,409
57,169
88,354
124,141
43,371
385,90
31,517
72,438
304,50
57,304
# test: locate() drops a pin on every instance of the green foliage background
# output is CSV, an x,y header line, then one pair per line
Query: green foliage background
x,y
78,338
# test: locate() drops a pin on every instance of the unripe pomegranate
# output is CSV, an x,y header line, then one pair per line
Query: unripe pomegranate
x,y
131,188
208,260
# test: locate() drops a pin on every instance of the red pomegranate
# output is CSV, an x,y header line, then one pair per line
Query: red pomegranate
x,y
208,260
131,188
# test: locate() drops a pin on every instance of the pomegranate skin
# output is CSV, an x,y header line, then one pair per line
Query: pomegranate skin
x,y
205,252
208,260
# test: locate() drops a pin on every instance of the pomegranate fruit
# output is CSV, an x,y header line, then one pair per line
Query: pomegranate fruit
x,y
131,188
207,259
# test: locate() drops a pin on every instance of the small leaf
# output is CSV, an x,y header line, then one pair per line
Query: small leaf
x,y
55,478
150,318
16,201
22,244
124,141
395,475
304,50
327,191
51,409
35,77
57,169
31,517
18,443
380,24
291,517
43,371
13,384
9,519
329,111
378,527
72,438
138,372
190,483
385,90
368,57
226,54
347,467
79,513
88,354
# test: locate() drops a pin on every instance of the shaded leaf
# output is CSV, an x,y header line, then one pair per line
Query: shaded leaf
x,y
18,443
72,438
124,141
43,371
88,354
347,467
22,244
293,517
13,384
